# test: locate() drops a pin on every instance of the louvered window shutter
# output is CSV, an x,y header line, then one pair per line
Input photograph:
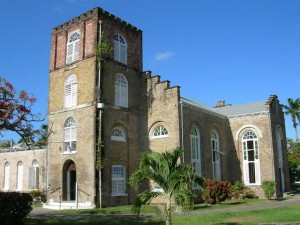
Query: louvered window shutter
x,y
31,178
76,50
69,52
117,51
68,96
123,54
117,94
36,176
124,96
74,94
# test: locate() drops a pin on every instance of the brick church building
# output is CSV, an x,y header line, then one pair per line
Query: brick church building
x,y
126,110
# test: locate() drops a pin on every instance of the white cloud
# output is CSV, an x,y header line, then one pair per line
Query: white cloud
x,y
162,56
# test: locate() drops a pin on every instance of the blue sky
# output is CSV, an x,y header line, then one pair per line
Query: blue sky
x,y
235,50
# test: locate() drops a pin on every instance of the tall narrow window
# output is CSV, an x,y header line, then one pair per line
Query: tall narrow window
x,y
195,149
120,49
73,48
70,135
6,176
33,176
121,91
251,158
118,180
71,91
20,176
215,155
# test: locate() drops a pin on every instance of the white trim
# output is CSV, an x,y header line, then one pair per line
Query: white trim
x,y
248,126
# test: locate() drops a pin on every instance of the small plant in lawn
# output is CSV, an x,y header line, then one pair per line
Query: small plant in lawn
x,y
269,188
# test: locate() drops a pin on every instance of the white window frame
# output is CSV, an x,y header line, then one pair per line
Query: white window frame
x,y
20,176
216,156
6,176
251,137
159,131
121,91
69,136
33,175
195,149
70,99
118,183
73,47
120,49
118,134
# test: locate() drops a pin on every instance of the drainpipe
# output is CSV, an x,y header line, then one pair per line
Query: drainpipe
x,y
181,123
100,106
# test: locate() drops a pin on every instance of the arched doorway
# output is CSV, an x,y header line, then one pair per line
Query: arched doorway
x,y
69,181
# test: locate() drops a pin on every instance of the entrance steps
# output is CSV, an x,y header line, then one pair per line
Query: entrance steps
x,y
68,205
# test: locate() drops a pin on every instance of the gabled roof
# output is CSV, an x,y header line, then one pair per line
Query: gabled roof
x,y
231,110
243,109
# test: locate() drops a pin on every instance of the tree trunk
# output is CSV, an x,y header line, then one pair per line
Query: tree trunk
x,y
168,220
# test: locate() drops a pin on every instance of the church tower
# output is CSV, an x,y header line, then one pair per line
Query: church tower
x,y
93,105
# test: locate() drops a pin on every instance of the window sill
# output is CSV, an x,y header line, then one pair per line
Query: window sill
x,y
69,153
159,137
256,184
119,195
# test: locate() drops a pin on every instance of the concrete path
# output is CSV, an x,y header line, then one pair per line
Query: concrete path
x,y
42,213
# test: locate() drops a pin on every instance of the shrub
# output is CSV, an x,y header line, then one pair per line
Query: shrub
x,y
14,207
269,188
216,191
239,191
36,195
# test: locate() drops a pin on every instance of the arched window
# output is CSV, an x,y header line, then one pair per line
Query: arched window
x,y
6,176
121,91
120,49
160,131
215,155
71,91
20,176
195,149
73,47
33,177
251,158
118,134
70,135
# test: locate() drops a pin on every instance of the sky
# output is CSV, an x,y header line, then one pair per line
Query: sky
x,y
239,51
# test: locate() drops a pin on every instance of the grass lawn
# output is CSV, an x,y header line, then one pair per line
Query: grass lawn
x,y
281,214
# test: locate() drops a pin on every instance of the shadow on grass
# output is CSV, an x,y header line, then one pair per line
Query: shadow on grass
x,y
138,221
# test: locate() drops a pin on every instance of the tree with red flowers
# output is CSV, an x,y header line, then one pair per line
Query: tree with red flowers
x,y
16,112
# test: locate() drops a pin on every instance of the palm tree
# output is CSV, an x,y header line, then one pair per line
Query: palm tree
x,y
176,181
293,109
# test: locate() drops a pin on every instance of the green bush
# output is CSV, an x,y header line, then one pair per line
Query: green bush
x,y
240,191
14,207
216,191
269,188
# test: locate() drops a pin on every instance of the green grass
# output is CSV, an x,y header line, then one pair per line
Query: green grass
x,y
280,214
